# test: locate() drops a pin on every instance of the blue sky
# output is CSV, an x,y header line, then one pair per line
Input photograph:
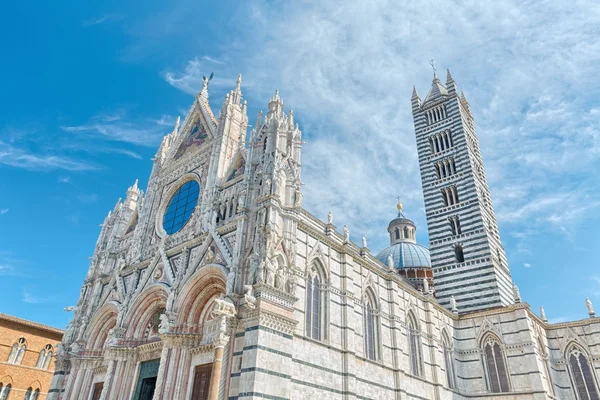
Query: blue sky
x,y
88,90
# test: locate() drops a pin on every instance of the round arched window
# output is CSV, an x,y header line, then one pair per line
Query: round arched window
x,y
181,206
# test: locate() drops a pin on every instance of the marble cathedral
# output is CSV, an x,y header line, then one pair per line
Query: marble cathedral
x,y
217,284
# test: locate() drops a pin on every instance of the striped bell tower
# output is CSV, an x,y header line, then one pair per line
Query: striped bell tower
x,y
467,256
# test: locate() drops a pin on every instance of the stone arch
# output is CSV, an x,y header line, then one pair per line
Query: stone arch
x,y
104,320
143,308
446,338
36,385
7,379
199,291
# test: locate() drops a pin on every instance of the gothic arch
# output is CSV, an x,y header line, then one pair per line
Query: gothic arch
x,y
316,263
414,343
201,288
104,320
495,363
581,372
142,309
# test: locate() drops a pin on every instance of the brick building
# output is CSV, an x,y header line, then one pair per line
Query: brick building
x,y
26,358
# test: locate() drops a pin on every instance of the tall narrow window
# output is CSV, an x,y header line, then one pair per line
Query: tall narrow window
x,y
397,233
28,394
41,358
370,329
448,360
583,375
459,254
314,306
414,345
5,391
495,367
17,352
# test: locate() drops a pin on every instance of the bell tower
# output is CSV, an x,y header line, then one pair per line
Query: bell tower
x,y
467,256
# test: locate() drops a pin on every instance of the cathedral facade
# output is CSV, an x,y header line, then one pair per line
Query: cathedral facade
x,y
216,283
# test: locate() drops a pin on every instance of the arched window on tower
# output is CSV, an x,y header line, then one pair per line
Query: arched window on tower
x,y
495,365
414,345
406,233
582,374
459,254
316,316
371,327
448,360
397,233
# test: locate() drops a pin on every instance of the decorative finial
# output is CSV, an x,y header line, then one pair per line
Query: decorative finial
x,y
433,66
399,205
543,314
590,308
453,305
238,83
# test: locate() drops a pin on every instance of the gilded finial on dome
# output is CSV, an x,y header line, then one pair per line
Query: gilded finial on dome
x,y
399,206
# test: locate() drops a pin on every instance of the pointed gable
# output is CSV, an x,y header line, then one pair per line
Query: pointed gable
x,y
194,136
237,168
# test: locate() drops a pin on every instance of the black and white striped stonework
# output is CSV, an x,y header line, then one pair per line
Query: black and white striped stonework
x,y
467,256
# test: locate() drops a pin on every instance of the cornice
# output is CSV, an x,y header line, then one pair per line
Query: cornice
x,y
31,324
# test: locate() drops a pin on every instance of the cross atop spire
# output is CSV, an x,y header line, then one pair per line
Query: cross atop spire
x,y
432,63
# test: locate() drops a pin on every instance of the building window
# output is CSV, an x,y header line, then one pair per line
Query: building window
x,y
397,233
582,375
414,345
448,360
495,366
17,351
459,254
371,328
450,196
455,225
44,357
315,301
5,391
181,206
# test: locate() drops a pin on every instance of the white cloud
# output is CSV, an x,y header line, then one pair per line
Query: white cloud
x,y
22,158
31,297
117,127
101,20
348,73
4,210
527,265
190,80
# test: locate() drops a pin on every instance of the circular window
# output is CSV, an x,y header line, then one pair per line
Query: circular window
x,y
181,206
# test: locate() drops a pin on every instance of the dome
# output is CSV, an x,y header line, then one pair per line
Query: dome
x,y
406,255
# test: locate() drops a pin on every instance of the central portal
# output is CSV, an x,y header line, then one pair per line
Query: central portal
x,y
146,383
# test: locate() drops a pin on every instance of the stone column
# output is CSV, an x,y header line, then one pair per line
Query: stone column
x,y
164,359
108,379
60,365
215,376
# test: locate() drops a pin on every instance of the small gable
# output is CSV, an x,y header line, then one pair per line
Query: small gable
x,y
238,168
195,136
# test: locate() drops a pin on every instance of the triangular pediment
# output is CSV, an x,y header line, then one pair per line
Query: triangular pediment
x,y
237,167
195,135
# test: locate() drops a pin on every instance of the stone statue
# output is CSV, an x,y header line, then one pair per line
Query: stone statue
x,y
210,255
280,279
298,199
543,314
82,327
249,296
390,262
267,187
164,325
425,286
516,293
364,241
346,234
292,283
171,300
590,307
329,218
259,274
453,305
269,274
71,309
230,280
121,314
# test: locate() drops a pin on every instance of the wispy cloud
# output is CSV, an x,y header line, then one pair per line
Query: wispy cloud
x,y
119,128
30,296
101,20
4,211
348,74
527,265
87,198
23,158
